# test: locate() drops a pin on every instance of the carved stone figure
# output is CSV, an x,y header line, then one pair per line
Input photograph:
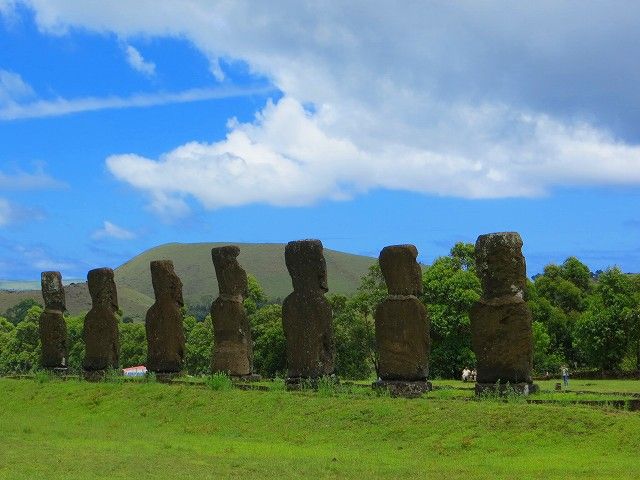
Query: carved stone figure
x,y
402,325
52,327
306,314
165,332
102,345
502,337
233,348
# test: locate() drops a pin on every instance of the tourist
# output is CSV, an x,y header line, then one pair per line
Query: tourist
x,y
565,376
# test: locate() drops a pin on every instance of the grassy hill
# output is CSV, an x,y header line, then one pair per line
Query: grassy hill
x,y
78,430
194,266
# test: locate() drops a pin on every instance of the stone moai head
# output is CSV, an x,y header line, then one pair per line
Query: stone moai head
x,y
165,281
400,270
501,265
53,291
102,288
306,265
232,279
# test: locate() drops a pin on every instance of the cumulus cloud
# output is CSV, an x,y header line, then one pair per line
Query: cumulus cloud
x,y
448,99
111,230
138,63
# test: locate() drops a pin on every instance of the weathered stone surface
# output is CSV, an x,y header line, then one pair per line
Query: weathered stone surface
x,y
306,313
52,327
233,347
501,331
53,291
102,345
506,388
400,270
306,265
402,324
165,332
501,265
232,279
502,342
404,388
402,339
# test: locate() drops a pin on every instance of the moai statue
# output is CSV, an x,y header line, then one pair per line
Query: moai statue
x,y
100,333
306,314
52,327
501,320
233,348
165,333
402,325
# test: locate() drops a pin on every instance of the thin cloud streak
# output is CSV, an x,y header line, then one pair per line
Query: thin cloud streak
x,y
63,106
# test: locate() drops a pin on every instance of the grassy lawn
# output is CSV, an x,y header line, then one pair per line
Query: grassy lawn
x,y
78,430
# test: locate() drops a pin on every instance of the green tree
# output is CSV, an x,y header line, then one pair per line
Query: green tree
x,y
269,350
354,337
198,348
565,286
17,313
189,322
451,288
604,330
371,292
558,324
22,348
75,342
133,344
256,297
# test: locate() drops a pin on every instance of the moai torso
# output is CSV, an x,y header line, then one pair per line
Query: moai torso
x,y
306,313
402,324
165,332
52,327
501,320
233,348
101,342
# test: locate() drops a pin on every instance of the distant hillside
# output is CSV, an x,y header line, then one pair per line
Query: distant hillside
x,y
194,266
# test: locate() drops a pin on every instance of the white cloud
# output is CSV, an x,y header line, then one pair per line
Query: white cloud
x,y
13,88
447,99
63,106
111,230
138,63
286,158
29,181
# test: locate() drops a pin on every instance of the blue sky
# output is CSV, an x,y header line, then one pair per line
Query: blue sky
x,y
125,126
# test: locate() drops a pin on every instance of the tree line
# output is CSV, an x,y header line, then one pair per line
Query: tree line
x,y
581,319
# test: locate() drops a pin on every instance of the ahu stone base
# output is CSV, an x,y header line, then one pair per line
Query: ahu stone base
x,y
252,377
166,377
506,388
94,375
302,383
403,388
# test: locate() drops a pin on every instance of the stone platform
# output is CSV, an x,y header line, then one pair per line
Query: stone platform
x,y
403,388
300,383
254,377
506,388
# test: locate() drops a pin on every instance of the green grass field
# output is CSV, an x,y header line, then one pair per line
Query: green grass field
x,y
79,430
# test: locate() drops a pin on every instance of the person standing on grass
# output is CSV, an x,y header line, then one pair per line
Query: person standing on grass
x,y
565,376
